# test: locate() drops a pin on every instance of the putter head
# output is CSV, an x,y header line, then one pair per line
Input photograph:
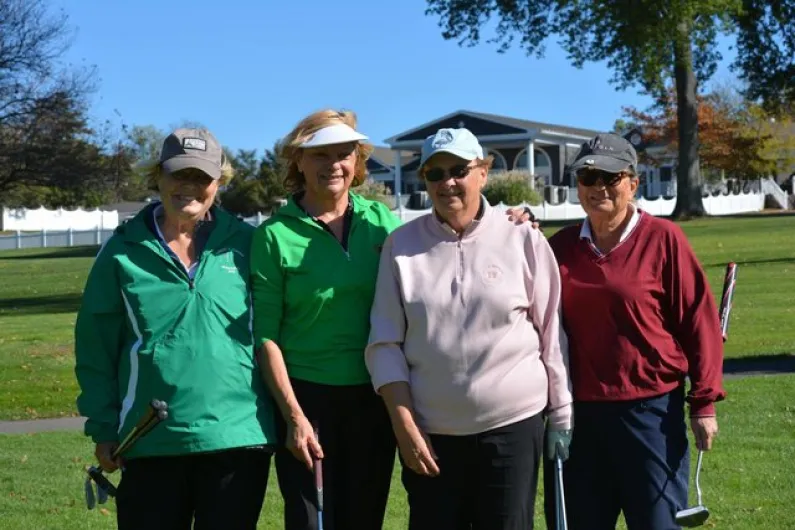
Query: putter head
x,y
692,517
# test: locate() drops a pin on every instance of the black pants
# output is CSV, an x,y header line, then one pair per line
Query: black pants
x,y
219,491
629,457
486,481
359,456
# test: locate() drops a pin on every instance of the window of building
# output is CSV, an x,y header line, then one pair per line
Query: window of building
x,y
543,164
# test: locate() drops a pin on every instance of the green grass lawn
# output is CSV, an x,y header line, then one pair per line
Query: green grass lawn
x,y
748,478
40,292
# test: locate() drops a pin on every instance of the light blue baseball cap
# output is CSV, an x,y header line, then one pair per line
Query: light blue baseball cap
x,y
458,142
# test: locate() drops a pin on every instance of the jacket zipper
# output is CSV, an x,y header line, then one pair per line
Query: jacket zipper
x,y
460,270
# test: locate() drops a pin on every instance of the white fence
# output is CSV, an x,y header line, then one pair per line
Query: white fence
x,y
566,206
54,238
43,219
563,208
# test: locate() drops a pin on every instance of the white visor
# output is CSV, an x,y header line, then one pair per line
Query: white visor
x,y
333,134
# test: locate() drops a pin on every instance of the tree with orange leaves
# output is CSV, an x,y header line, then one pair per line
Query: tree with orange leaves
x,y
737,139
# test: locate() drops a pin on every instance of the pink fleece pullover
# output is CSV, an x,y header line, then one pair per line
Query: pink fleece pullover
x,y
472,324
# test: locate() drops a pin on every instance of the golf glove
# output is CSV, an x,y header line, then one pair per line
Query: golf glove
x,y
558,438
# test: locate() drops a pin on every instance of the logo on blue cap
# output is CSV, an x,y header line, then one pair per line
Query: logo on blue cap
x,y
442,138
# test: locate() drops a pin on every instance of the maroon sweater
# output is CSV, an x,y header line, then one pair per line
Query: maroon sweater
x,y
640,318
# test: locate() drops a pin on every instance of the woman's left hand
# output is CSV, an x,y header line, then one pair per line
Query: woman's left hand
x,y
521,216
704,431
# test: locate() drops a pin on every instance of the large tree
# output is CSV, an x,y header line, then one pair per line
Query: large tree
x,y
646,43
43,129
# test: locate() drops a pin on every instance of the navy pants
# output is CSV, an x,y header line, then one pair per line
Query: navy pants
x,y
359,457
629,457
486,481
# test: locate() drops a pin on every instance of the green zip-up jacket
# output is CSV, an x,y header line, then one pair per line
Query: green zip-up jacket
x,y
313,298
146,331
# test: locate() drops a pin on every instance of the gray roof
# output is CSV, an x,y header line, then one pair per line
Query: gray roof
x,y
500,125
527,124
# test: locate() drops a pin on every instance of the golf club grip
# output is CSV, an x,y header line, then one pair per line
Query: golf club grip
x,y
318,470
729,282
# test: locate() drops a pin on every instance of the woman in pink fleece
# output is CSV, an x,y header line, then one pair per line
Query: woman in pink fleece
x,y
467,351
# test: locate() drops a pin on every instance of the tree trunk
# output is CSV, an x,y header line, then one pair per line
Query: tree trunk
x,y
688,174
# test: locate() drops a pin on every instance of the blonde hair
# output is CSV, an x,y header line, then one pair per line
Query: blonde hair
x,y
152,171
291,151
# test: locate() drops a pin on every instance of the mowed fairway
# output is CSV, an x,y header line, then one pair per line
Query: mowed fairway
x,y
749,479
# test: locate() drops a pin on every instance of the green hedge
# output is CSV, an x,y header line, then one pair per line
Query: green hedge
x,y
511,188
375,191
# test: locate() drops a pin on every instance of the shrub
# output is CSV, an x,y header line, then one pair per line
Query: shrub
x,y
375,191
511,188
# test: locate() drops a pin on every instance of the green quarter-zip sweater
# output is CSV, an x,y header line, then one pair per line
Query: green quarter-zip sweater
x,y
145,331
311,296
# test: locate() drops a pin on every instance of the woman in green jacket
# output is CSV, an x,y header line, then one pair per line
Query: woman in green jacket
x,y
166,315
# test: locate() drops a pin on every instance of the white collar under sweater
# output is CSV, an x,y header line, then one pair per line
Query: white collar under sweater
x,y
585,230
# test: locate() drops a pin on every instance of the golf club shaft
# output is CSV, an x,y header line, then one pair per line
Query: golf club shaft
x,y
147,417
698,472
102,482
562,524
318,471
149,421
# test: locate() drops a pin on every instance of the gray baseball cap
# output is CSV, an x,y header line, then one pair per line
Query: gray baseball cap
x,y
192,148
608,152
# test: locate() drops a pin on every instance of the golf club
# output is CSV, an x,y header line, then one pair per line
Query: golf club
x,y
318,470
156,412
696,515
560,498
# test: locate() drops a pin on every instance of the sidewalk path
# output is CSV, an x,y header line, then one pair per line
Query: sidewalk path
x,y
35,426
732,369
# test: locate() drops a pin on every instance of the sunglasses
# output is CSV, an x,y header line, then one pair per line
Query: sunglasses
x,y
588,177
437,174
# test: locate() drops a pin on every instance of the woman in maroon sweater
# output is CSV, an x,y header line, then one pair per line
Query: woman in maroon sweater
x,y
640,318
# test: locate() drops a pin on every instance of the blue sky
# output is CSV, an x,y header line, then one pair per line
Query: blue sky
x,y
250,69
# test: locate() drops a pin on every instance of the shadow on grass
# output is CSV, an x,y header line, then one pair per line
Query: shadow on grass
x,y
67,252
781,363
59,303
753,262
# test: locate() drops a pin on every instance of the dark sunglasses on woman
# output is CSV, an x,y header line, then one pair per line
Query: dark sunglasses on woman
x,y
588,177
436,174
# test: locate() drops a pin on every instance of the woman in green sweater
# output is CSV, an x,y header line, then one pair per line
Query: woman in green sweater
x,y
314,266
